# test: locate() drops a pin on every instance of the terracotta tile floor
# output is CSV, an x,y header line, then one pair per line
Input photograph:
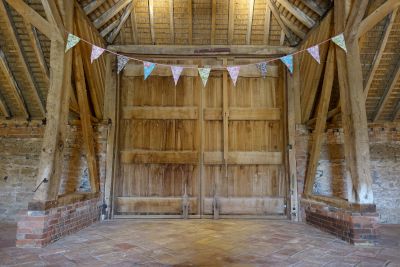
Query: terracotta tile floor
x,y
201,243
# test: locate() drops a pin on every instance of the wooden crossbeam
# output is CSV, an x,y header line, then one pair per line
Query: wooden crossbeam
x,y
376,16
121,22
311,4
267,23
190,24
24,64
379,53
390,85
151,19
298,13
87,128
171,22
92,6
54,17
213,20
4,108
231,20
110,13
134,32
32,17
318,134
249,20
109,28
5,68
284,28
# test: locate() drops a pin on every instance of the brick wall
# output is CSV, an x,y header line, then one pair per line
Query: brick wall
x,y
331,177
19,158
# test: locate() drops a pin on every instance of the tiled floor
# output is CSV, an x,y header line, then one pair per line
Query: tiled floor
x,y
201,243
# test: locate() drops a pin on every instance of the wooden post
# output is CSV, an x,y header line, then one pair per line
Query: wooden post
x,y
87,128
352,101
51,157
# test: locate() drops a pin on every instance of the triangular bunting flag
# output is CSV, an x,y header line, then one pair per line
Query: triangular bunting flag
x,y
176,72
339,40
122,60
71,41
288,61
204,73
314,52
234,73
262,67
96,52
148,67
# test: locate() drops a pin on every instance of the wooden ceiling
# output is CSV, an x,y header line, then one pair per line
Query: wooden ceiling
x,y
24,51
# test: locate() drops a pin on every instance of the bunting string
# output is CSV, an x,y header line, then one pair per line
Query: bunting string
x,y
204,72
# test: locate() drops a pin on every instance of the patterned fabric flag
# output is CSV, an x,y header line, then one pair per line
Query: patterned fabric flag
x,y
288,61
262,67
71,41
234,73
96,52
122,60
339,40
204,73
176,72
314,52
148,67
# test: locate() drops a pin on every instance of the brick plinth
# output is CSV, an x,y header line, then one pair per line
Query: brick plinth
x,y
37,228
353,227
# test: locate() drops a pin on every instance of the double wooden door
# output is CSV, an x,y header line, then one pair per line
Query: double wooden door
x,y
191,151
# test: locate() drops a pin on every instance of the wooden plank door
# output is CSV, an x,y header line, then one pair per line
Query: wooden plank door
x,y
243,173
159,141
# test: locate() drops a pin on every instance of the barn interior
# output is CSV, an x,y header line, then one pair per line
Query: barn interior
x,y
200,132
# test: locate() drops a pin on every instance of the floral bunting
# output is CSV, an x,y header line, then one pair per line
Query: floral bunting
x,y
96,53
121,61
148,67
288,61
314,52
234,73
72,40
204,73
339,40
262,67
176,73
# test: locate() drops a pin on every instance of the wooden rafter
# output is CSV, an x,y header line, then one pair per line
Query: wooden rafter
x,y
190,13
54,17
151,19
311,4
171,22
92,6
110,13
24,65
122,21
390,84
32,17
37,48
109,28
249,20
213,20
4,108
396,111
376,16
231,21
267,23
134,25
298,13
293,27
277,16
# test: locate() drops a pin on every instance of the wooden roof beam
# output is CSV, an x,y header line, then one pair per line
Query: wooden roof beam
x,y
92,6
267,23
231,21
54,17
213,20
122,21
190,12
109,28
171,22
4,108
391,83
298,13
396,111
294,28
369,22
32,17
110,13
134,31
313,6
13,83
379,53
277,16
151,19
249,20
24,64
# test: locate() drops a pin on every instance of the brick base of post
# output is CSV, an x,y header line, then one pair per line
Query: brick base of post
x,y
38,227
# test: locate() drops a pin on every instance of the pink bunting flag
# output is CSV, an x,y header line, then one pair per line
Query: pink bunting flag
x,y
339,40
234,73
176,72
121,62
314,52
72,40
96,53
